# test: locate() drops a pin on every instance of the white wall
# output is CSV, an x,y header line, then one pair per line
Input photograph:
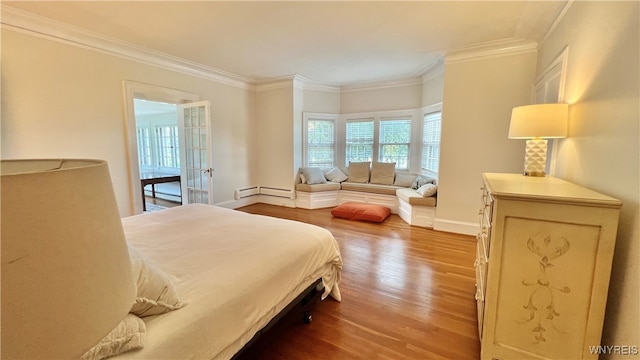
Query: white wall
x,y
321,101
433,88
275,127
603,149
60,100
478,97
381,99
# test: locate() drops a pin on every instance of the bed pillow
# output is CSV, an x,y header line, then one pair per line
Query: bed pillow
x,y
359,172
404,180
313,175
383,173
335,175
427,190
129,334
361,211
156,292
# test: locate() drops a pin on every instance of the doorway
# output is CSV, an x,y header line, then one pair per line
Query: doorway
x,y
158,153
151,97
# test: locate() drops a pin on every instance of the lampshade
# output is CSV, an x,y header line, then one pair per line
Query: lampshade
x,y
66,272
539,121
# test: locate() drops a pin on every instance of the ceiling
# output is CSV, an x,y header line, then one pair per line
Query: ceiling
x,y
329,42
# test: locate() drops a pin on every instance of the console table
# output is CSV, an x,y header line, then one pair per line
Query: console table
x,y
153,179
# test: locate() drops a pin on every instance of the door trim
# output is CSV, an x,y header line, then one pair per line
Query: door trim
x,y
138,90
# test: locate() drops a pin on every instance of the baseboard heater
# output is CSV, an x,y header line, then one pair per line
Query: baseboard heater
x,y
246,192
277,192
263,190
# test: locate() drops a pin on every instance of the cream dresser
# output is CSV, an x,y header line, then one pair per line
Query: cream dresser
x,y
542,267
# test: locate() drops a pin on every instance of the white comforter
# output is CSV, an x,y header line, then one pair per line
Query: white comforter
x,y
235,270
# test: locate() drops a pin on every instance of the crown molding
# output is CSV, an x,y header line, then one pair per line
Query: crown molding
x,y
308,84
490,49
274,84
43,27
555,23
297,81
434,71
414,80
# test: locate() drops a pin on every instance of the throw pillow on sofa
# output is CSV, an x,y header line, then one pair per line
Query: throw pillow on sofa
x,y
421,180
359,172
335,175
404,180
313,175
427,190
383,173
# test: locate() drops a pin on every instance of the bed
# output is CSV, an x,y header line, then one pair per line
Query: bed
x,y
231,272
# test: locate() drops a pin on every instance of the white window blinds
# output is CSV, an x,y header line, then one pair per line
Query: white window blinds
x,y
359,141
431,141
395,140
320,143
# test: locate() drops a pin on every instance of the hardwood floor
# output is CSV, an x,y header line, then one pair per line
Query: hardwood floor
x,y
407,293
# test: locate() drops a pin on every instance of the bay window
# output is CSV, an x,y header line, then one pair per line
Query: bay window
x,y
410,138
319,145
431,141
359,136
395,141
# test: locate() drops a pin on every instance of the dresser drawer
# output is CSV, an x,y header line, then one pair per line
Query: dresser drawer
x,y
479,296
486,213
481,271
480,307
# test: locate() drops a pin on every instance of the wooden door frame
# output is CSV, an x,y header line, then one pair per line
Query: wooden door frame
x,y
134,90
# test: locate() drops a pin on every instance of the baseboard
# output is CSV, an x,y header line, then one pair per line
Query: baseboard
x,y
275,200
234,204
458,227
264,199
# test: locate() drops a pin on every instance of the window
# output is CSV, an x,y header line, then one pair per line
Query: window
x,y
395,139
320,143
359,141
144,148
431,141
168,145
158,147
384,136
319,140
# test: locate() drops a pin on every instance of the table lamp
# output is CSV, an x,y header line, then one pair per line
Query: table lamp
x,y
66,271
536,123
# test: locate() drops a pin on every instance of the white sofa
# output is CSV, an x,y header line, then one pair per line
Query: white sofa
x,y
396,192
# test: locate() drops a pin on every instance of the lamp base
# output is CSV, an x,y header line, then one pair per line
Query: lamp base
x,y
535,159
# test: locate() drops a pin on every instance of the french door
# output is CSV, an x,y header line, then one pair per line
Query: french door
x,y
195,156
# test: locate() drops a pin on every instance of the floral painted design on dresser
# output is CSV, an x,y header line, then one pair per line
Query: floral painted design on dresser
x,y
541,304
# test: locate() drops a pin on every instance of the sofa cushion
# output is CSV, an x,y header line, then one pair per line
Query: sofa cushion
x,y
335,175
330,186
412,197
358,172
361,211
427,190
371,188
405,179
421,180
313,175
383,173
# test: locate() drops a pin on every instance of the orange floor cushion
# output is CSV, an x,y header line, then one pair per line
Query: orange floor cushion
x,y
361,211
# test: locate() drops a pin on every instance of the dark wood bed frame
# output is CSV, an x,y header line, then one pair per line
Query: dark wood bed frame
x,y
299,310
